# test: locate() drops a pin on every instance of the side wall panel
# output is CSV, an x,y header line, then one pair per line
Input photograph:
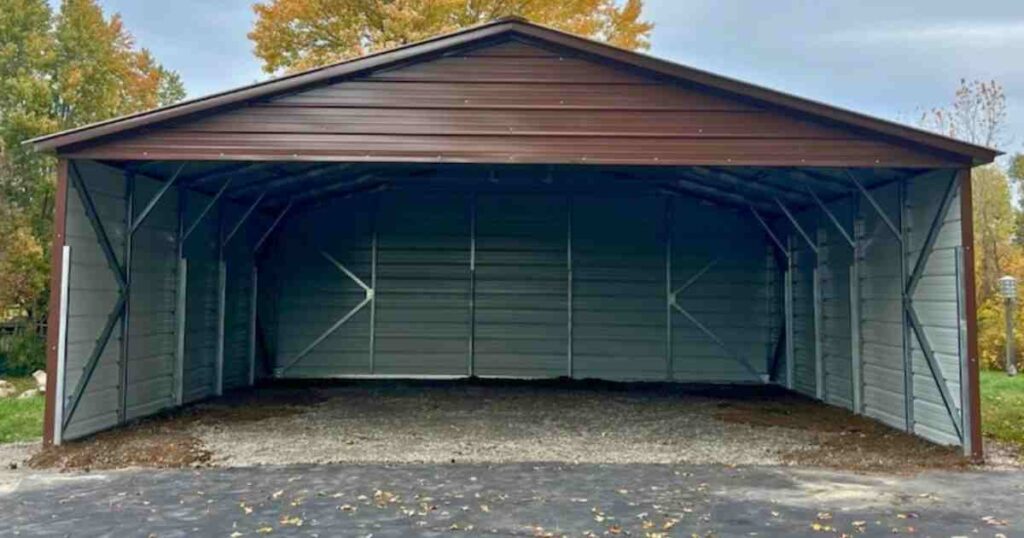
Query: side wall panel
x,y
93,292
238,258
619,287
804,348
310,293
836,258
521,324
201,309
881,292
151,341
731,245
423,323
936,302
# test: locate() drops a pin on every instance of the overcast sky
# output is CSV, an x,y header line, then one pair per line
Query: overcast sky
x,y
882,57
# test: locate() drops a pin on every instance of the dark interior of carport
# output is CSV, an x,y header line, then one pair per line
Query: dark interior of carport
x,y
521,239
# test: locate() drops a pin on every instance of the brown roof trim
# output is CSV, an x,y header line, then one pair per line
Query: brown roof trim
x,y
975,153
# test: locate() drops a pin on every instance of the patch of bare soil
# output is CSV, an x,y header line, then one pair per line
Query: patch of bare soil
x,y
165,441
843,440
133,446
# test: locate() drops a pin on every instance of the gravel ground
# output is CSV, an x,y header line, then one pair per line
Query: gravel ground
x,y
434,423
493,422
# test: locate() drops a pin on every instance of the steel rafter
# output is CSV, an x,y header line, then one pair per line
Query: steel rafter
x,y
754,184
796,225
156,199
832,217
768,230
206,209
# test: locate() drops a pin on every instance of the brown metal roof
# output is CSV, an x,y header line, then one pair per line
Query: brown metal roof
x,y
126,126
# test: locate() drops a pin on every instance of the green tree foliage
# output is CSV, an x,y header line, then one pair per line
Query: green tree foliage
x,y
58,70
977,114
294,35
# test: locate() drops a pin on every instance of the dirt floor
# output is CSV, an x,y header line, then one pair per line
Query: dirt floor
x,y
504,422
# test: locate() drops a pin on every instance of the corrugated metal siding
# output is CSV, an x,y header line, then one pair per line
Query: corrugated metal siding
x,y
151,337
543,106
804,348
199,370
423,317
881,306
836,257
737,282
521,322
238,258
93,292
423,323
618,250
311,293
936,302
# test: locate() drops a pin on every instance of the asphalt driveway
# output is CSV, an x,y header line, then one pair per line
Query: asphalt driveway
x,y
510,500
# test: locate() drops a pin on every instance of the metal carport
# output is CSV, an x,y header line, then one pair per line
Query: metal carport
x,y
512,201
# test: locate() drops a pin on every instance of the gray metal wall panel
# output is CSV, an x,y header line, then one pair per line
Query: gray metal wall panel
x,y
151,337
804,263
521,323
422,325
92,294
238,258
311,293
836,257
737,282
881,292
936,302
199,370
619,302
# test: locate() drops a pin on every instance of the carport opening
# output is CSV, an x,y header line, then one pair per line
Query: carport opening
x,y
245,273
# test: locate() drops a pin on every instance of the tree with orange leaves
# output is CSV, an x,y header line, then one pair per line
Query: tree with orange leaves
x,y
294,35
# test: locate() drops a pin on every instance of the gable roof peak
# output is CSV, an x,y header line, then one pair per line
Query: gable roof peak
x,y
518,26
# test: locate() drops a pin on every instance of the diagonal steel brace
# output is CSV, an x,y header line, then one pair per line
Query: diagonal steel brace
x,y
337,324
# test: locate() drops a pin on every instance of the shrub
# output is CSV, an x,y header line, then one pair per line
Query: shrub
x,y
21,354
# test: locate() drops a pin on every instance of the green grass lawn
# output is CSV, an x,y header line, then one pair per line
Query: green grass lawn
x,y
21,420
1002,407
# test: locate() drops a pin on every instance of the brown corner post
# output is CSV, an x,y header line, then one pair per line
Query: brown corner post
x,y
971,307
53,309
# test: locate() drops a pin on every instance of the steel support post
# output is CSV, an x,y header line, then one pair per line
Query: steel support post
x,y
669,359
788,305
819,353
222,277
908,367
62,346
129,186
181,303
857,367
253,303
470,359
965,393
569,284
374,248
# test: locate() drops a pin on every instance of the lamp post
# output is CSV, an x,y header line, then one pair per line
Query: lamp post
x,y
1008,289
